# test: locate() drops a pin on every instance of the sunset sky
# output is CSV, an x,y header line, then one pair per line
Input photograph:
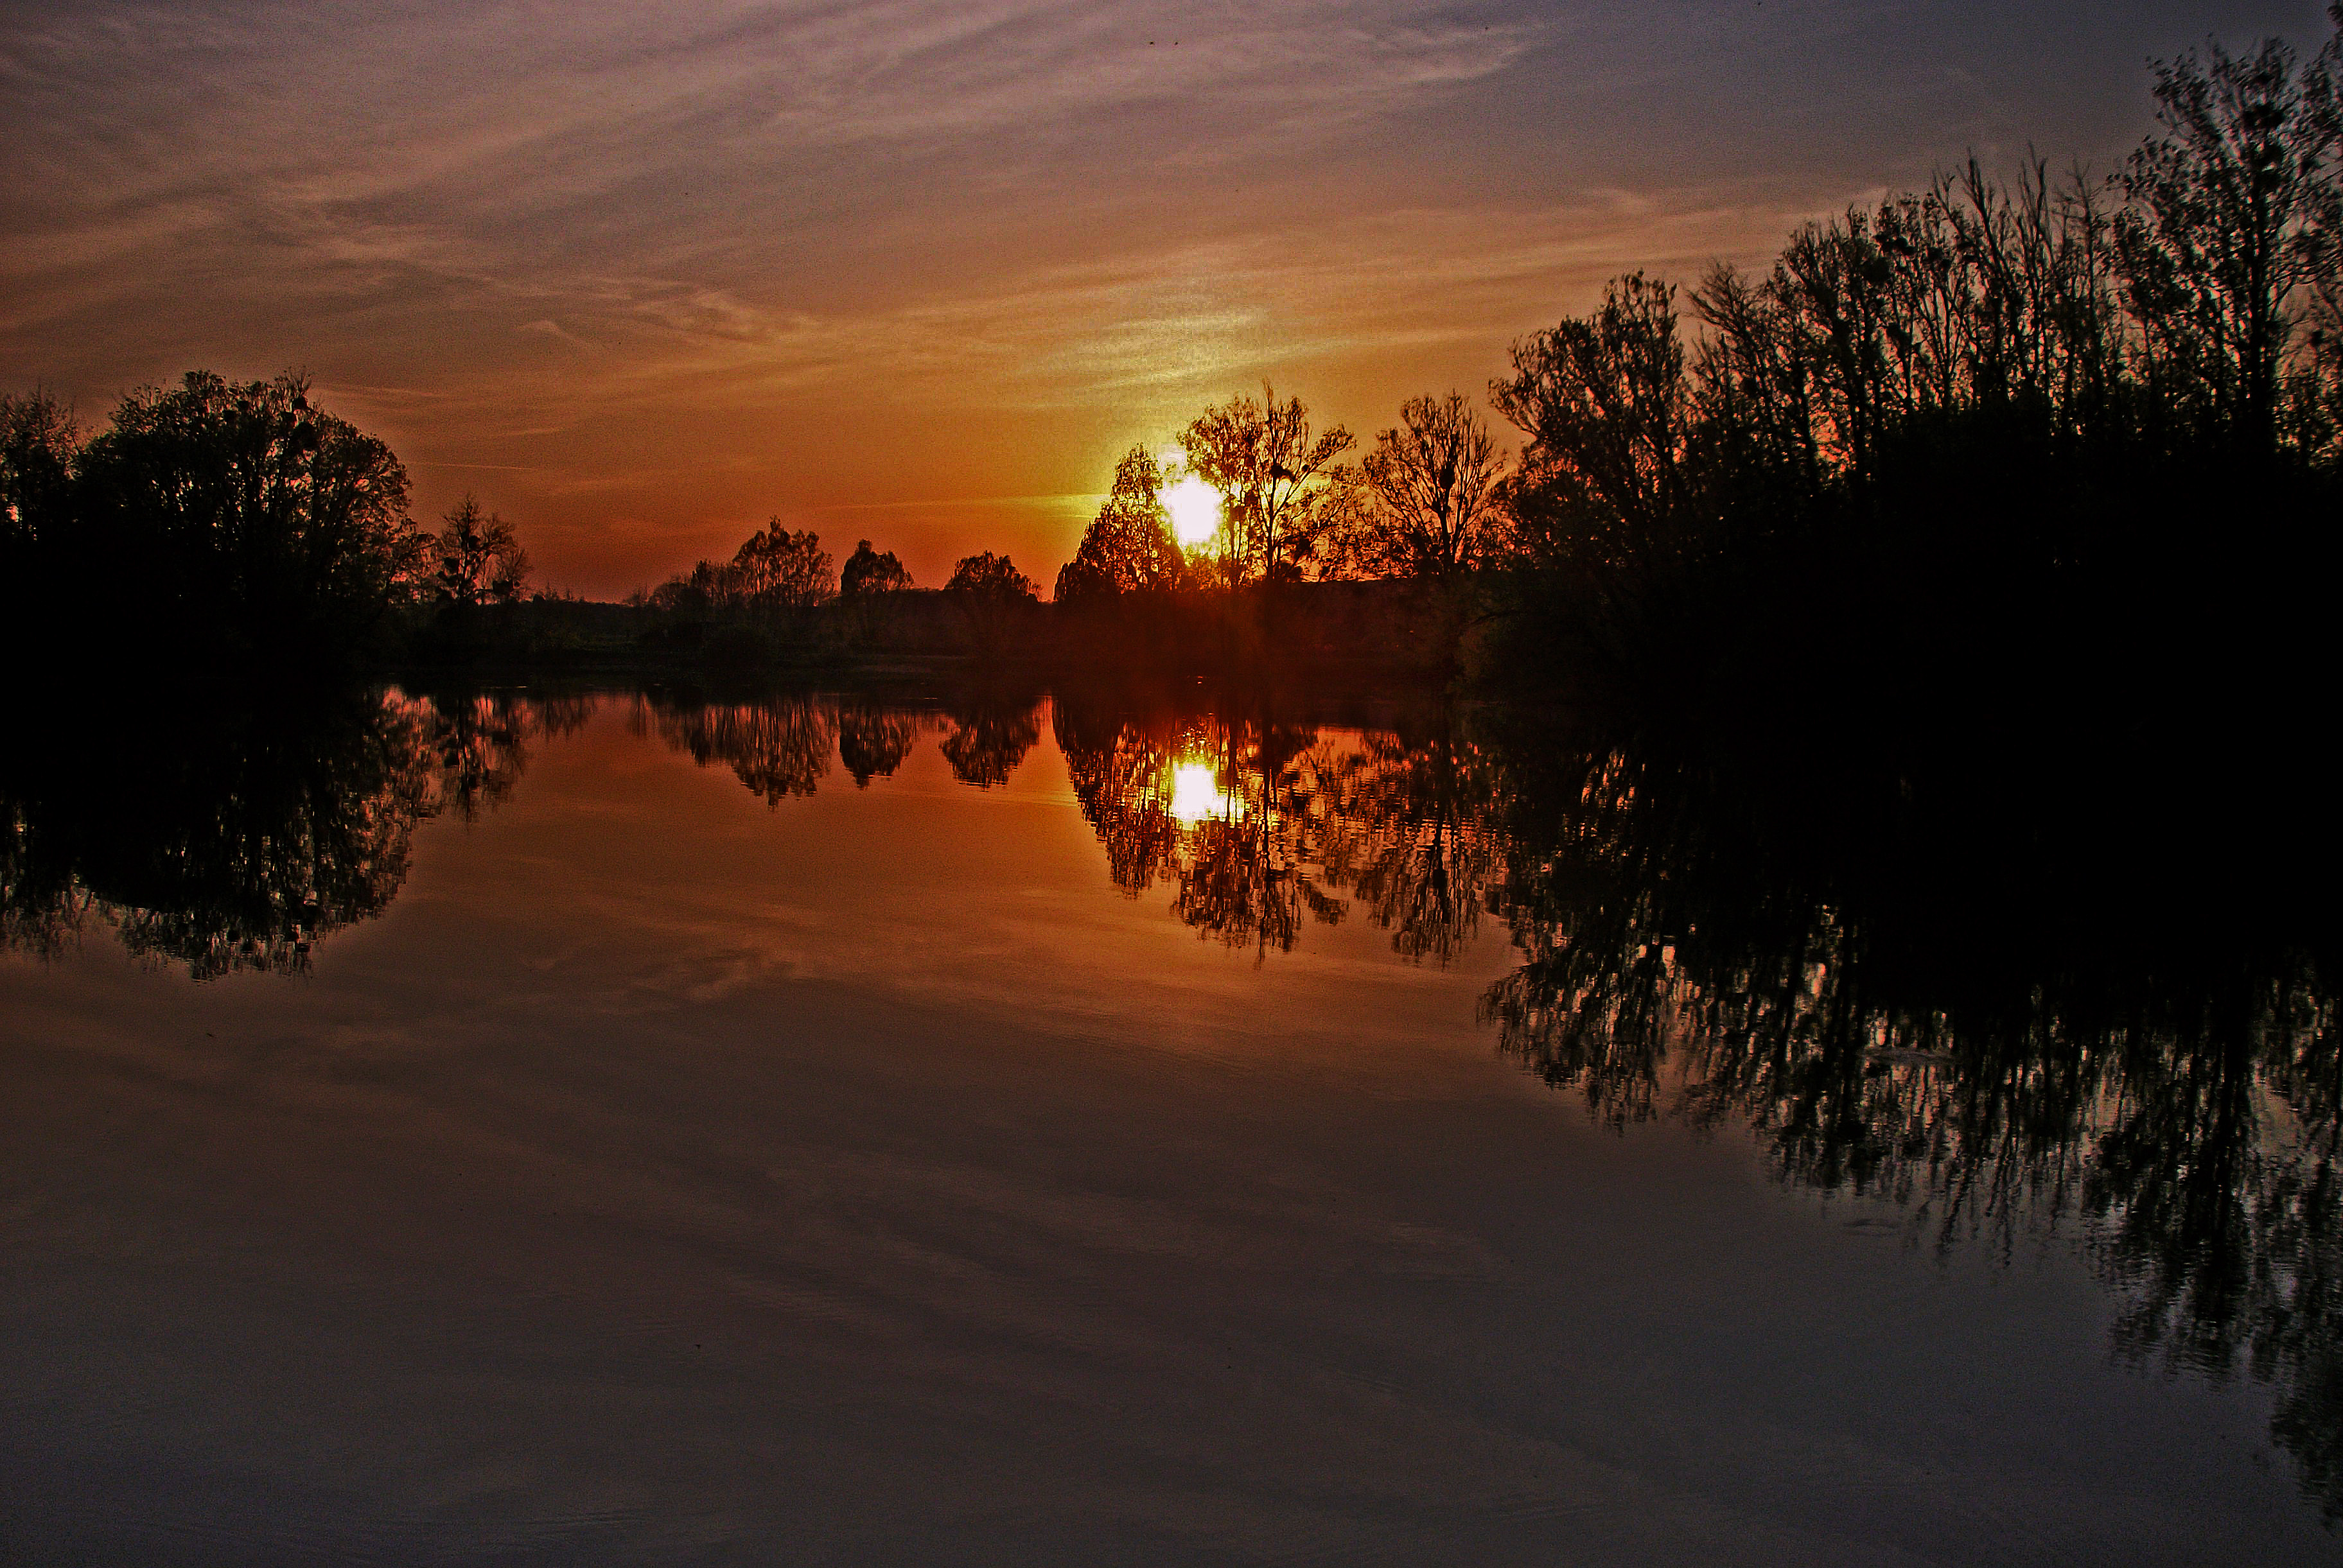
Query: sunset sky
x,y
642,276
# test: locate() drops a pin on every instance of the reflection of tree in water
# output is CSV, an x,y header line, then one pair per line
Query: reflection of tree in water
x,y
778,747
559,715
480,745
1220,811
1406,832
2009,1017
1119,768
874,738
1247,867
228,840
2009,1020
989,737
42,905
1259,825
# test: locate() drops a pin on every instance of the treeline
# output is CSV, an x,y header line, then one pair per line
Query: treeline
x,y
780,601
219,523
781,596
1983,438
1986,437
1989,443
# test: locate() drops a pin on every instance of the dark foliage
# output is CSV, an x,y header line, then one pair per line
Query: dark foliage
x,y
869,571
479,559
1128,548
991,736
1986,444
216,522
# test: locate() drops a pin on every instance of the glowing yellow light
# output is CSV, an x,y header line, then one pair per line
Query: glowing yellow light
x,y
1195,508
1196,793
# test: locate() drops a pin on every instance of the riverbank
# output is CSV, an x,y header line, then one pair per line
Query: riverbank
x,y
1347,633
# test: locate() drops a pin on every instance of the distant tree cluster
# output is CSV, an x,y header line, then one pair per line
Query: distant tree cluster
x,y
869,571
992,578
779,589
775,570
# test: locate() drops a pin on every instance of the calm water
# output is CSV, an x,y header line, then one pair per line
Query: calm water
x,y
646,1130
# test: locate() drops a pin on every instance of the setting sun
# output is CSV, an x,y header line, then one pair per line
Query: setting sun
x,y
1195,508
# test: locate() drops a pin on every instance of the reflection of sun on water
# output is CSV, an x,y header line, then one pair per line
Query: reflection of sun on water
x,y
1196,794
1195,508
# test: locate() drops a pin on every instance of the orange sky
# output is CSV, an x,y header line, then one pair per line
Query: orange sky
x,y
642,277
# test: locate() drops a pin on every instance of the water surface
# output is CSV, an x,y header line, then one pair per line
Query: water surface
x,y
639,1128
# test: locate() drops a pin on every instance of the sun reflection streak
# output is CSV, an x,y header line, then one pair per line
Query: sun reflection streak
x,y
1197,794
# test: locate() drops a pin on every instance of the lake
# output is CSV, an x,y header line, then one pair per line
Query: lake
x,y
652,1127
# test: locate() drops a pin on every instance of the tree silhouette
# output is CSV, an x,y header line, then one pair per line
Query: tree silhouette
x,y
991,595
480,558
782,570
2233,221
869,571
38,443
992,579
1129,547
1606,407
241,515
1272,474
1432,479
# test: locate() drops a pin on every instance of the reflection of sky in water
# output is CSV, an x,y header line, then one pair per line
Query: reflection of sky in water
x,y
671,1171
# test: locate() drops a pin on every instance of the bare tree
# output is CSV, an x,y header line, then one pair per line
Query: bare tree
x,y
1606,404
1272,474
1432,488
2231,228
481,560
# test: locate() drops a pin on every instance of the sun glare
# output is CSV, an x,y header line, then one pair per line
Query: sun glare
x,y
1195,508
1196,794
